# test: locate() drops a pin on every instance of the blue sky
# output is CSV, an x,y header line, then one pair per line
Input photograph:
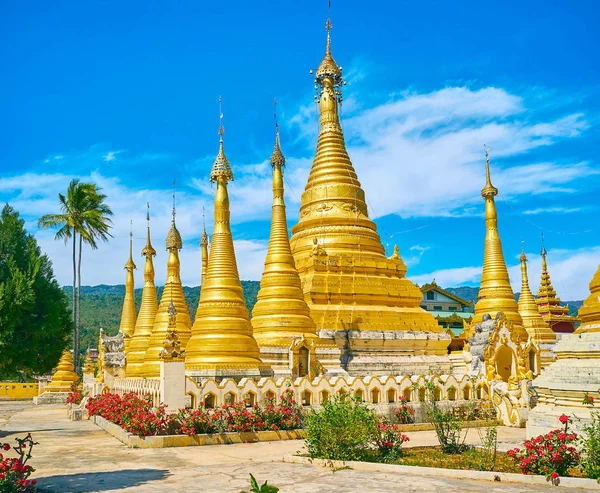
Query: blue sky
x,y
126,94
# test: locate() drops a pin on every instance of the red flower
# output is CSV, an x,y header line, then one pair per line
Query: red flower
x,y
6,446
564,419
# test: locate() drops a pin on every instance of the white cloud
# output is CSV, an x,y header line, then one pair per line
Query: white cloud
x,y
111,156
552,210
570,271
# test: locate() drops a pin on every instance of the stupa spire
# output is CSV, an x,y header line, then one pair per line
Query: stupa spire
x,y
533,322
172,292
147,313
495,292
549,304
127,326
222,335
204,247
280,314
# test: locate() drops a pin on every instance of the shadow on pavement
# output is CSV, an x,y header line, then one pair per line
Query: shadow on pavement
x,y
99,481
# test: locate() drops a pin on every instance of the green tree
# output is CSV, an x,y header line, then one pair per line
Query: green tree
x,y
34,313
83,218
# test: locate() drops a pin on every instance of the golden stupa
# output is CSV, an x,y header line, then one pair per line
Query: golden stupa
x,y
280,315
495,292
538,330
589,313
88,367
222,344
64,376
148,308
556,316
172,292
355,294
127,326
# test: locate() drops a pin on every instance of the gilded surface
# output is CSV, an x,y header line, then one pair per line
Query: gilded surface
x,y
280,314
171,350
548,303
347,281
495,292
127,326
589,313
64,376
145,319
533,322
173,292
222,334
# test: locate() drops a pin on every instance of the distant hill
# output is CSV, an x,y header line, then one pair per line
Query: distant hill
x,y
101,305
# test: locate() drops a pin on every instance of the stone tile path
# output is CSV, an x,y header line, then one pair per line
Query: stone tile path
x,y
79,457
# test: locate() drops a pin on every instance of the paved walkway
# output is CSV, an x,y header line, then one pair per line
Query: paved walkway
x,y
76,456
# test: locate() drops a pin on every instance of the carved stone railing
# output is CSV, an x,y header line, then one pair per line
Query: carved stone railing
x,y
140,386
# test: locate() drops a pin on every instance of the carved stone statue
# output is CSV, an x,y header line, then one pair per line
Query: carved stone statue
x,y
113,355
477,344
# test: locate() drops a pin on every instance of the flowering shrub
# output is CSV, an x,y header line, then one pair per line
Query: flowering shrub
x,y
237,417
133,413
389,441
551,455
14,471
75,397
590,442
405,414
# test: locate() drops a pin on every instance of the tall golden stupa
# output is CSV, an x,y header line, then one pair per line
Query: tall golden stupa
x,y
356,295
172,292
145,319
222,344
538,330
495,292
280,315
127,326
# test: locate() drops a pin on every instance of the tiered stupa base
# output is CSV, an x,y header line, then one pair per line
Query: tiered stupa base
x,y
381,352
222,373
562,386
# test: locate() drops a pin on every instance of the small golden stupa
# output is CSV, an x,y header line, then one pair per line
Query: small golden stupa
x,y
88,367
495,292
542,335
280,314
145,319
127,326
355,294
222,344
172,292
64,376
556,316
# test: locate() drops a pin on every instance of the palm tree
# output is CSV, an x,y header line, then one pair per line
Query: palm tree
x,y
84,213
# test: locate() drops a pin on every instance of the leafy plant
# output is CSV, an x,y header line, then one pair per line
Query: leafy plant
x,y
389,441
448,427
489,448
264,488
14,471
590,443
551,455
344,429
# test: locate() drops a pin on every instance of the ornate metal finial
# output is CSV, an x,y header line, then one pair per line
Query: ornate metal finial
x,y
328,68
130,264
148,250
173,237
203,236
523,258
543,252
221,166
489,190
277,158
396,254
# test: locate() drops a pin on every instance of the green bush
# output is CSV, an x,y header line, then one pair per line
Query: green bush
x,y
590,443
344,429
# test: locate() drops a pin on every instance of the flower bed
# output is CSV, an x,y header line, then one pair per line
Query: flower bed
x,y
137,416
14,471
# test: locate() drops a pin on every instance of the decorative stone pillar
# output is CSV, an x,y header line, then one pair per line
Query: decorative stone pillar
x,y
172,367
